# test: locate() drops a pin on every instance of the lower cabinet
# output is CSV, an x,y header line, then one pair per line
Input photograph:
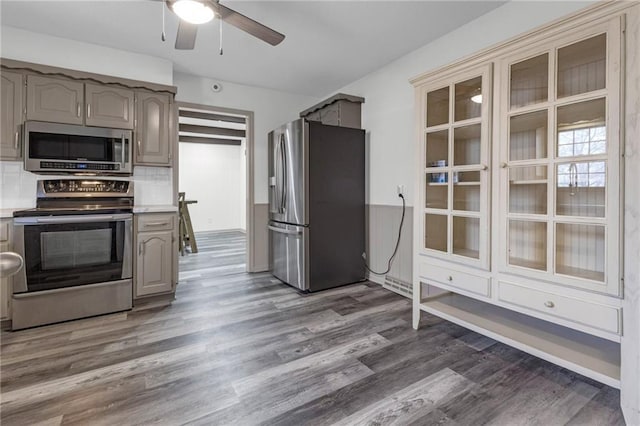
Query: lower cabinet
x,y
5,283
156,254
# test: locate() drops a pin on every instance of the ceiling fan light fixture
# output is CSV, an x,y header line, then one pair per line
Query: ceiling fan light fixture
x,y
193,11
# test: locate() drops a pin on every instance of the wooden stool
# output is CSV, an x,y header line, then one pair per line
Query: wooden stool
x,y
186,228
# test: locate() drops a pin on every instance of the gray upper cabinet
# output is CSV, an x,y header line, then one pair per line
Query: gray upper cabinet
x,y
55,100
11,115
108,106
152,130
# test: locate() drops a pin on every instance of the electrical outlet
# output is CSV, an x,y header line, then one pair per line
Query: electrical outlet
x,y
400,190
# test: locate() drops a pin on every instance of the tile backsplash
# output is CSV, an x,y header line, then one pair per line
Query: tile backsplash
x,y
152,185
18,189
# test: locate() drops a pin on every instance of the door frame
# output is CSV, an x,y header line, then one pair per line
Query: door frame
x,y
249,162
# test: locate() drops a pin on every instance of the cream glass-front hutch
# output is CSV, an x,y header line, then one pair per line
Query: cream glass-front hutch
x,y
518,207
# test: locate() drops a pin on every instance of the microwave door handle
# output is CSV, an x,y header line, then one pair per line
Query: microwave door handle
x,y
122,152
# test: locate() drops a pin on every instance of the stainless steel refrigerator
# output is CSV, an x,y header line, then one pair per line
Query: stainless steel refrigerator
x,y
316,205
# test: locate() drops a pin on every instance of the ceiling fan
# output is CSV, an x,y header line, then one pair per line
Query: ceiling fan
x,y
193,13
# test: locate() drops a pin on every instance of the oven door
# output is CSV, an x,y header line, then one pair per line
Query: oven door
x,y
70,251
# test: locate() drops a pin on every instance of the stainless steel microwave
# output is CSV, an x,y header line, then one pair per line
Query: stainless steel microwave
x,y
68,148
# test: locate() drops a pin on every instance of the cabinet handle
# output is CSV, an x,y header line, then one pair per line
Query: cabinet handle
x,y
139,147
141,249
450,278
88,110
549,304
157,224
15,142
78,109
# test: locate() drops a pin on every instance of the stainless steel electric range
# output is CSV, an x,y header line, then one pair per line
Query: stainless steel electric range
x,y
76,246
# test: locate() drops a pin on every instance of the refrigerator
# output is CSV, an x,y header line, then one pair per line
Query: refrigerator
x,y
316,205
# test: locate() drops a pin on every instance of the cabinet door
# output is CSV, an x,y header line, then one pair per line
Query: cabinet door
x,y
109,106
5,290
56,100
153,113
5,283
153,271
454,163
561,161
11,113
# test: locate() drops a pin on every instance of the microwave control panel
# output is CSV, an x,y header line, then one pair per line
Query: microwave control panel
x,y
78,166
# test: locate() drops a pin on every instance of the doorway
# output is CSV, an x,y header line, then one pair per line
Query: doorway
x,y
215,184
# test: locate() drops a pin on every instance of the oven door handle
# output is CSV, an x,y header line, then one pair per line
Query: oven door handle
x,y
71,219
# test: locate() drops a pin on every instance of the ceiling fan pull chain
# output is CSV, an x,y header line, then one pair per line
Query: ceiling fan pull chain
x,y
220,36
163,36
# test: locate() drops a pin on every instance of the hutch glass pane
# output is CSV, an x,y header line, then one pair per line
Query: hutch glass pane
x,y
466,236
437,191
437,147
580,250
528,190
466,145
581,189
438,107
530,81
528,244
435,237
528,136
582,129
582,66
468,99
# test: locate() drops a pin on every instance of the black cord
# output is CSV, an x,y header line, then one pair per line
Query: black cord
x,y
395,251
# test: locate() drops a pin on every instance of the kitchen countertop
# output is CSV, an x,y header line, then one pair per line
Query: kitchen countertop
x,y
155,209
8,213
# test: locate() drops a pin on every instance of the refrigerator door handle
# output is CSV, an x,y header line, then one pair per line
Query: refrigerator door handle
x,y
284,231
277,178
283,155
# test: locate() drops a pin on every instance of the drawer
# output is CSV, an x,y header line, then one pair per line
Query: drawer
x,y
595,315
5,230
156,222
451,277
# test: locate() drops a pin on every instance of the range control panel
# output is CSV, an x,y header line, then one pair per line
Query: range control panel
x,y
86,186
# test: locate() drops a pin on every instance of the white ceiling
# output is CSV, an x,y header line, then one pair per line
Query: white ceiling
x,y
328,43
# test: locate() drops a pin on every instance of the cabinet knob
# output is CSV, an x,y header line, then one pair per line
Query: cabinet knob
x,y
503,165
549,304
485,167
450,278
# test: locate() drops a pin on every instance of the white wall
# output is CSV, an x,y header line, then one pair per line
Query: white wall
x,y
271,109
388,111
28,46
211,174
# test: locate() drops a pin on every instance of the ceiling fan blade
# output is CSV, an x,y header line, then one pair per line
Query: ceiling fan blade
x,y
186,37
248,25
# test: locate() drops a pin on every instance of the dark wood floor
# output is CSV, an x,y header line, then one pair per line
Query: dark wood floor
x,y
245,349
